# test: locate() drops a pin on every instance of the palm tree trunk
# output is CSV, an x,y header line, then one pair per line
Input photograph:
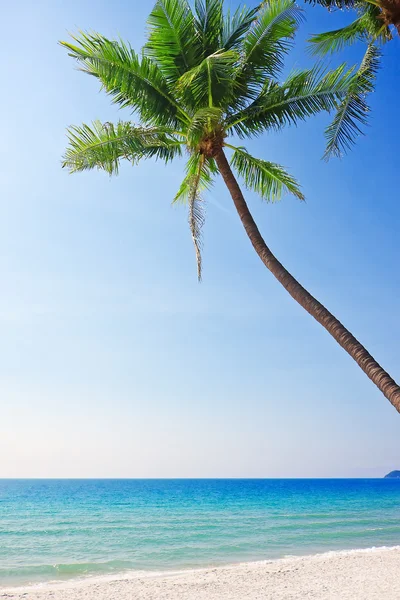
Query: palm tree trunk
x,y
352,346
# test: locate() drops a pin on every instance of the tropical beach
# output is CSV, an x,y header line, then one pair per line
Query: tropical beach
x,y
357,575
199,317
199,538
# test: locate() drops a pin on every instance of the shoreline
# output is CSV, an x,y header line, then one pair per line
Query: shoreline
x,y
368,573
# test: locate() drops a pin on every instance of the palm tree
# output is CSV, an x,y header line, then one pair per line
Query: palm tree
x,y
204,76
375,24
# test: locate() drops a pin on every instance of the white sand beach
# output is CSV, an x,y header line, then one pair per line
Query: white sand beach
x,y
355,575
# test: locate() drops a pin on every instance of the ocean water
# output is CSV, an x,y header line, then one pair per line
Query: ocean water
x,y
57,529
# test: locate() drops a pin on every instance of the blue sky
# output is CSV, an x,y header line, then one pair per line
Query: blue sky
x,y
114,360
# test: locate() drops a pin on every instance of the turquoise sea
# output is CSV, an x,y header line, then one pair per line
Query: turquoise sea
x,y
55,529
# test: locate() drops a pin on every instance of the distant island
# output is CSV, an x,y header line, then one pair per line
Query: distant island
x,y
393,475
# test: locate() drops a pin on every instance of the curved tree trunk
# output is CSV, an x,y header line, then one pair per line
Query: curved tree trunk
x,y
352,346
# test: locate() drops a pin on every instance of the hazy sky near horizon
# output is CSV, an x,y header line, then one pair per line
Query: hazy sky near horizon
x,y
114,361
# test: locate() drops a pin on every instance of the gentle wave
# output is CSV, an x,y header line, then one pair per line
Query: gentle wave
x,y
32,573
83,577
58,530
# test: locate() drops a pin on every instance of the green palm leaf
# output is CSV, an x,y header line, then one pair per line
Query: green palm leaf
x,y
267,179
270,37
102,146
334,41
132,81
353,111
236,25
302,95
211,82
171,42
209,25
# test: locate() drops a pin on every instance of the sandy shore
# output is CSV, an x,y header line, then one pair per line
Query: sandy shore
x,y
355,575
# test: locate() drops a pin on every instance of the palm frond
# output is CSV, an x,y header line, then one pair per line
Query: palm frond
x,y
172,38
211,82
236,25
334,41
209,25
263,49
103,145
302,95
267,179
199,177
132,81
270,36
353,110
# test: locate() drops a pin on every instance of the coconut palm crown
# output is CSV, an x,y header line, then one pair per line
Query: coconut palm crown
x,y
203,76
206,78
376,23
